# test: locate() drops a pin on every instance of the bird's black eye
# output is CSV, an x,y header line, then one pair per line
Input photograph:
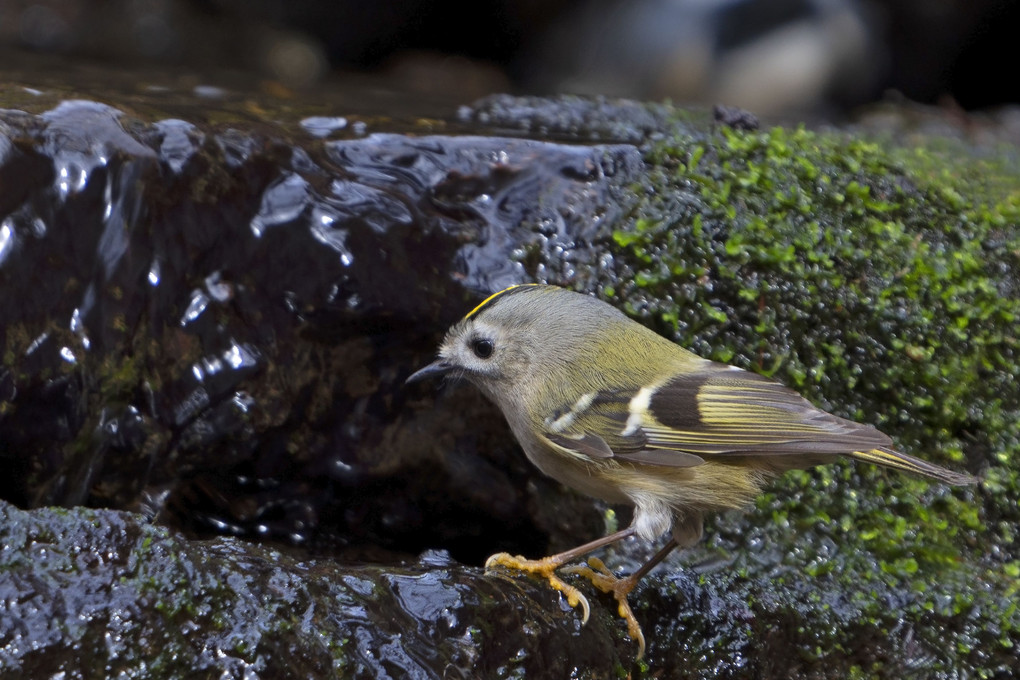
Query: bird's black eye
x,y
482,348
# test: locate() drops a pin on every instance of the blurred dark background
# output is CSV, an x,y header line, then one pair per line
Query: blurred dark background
x,y
770,56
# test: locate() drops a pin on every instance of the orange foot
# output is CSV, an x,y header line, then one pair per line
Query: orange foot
x,y
546,568
607,582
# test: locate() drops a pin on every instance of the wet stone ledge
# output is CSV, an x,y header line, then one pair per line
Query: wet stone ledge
x,y
211,325
103,593
189,308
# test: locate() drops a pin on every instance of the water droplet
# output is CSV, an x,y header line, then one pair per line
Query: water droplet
x,y
36,343
198,304
282,202
154,273
218,290
6,239
210,92
323,126
239,356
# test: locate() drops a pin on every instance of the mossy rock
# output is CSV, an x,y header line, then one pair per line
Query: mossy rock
x,y
880,281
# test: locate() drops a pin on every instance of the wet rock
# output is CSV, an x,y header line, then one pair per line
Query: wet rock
x,y
102,593
575,118
223,319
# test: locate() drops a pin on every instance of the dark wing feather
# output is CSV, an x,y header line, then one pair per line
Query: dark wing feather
x,y
589,444
729,411
663,458
596,430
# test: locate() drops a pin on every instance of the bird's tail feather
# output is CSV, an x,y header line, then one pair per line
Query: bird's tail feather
x,y
901,461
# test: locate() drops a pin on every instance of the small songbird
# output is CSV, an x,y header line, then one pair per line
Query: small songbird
x,y
608,407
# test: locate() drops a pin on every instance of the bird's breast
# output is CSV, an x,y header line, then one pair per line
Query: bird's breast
x,y
576,471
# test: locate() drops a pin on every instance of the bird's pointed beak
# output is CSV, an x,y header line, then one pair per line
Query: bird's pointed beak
x,y
436,368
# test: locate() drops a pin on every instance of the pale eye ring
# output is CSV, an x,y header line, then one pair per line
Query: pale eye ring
x,y
482,348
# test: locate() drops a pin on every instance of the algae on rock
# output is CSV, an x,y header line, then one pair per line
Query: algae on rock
x,y
884,292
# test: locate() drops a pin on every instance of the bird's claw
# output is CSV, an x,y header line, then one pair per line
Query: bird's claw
x,y
546,568
596,572
606,581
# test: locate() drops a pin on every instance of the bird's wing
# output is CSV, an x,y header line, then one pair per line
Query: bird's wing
x,y
725,410
595,427
716,411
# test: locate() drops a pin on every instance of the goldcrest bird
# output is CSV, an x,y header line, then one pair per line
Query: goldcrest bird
x,y
610,408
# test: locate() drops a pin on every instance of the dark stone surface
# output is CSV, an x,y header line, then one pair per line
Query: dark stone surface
x,y
225,318
102,593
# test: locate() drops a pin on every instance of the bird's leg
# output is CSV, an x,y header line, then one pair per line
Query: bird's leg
x,y
607,582
547,566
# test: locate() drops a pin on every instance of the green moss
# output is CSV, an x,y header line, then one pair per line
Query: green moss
x,y
881,283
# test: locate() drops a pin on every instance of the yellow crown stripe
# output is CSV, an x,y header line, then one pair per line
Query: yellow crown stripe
x,y
484,303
